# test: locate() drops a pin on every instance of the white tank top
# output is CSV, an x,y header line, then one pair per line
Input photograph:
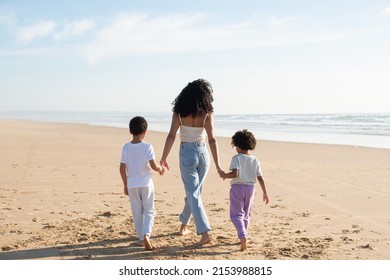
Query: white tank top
x,y
189,134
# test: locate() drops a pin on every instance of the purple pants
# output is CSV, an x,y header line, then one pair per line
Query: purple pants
x,y
241,200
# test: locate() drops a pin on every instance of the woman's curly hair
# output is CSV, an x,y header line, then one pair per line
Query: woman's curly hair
x,y
194,100
244,139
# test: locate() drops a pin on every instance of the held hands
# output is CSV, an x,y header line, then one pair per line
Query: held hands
x,y
162,170
164,163
221,173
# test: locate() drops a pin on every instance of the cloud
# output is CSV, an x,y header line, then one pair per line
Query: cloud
x,y
128,34
285,22
38,30
7,19
132,34
385,12
26,52
75,28
49,28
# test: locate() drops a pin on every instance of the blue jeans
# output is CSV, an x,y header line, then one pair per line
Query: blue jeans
x,y
194,165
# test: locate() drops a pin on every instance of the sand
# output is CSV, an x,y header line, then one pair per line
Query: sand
x,y
61,198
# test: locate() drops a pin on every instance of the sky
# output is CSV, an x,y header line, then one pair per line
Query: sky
x,y
260,56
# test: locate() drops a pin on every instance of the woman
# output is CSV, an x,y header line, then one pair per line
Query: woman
x,y
192,113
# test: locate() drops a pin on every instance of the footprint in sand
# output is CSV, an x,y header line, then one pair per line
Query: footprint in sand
x,y
6,248
277,206
346,240
305,214
368,246
47,226
106,214
218,210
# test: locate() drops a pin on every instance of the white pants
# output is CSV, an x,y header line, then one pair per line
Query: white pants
x,y
142,208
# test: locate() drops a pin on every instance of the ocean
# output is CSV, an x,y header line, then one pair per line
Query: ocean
x,y
367,130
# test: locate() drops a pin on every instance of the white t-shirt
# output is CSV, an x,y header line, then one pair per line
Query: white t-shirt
x,y
248,168
137,157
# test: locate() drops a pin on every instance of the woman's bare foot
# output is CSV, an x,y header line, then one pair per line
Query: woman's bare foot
x,y
243,244
204,240
139,243
183,230
148,245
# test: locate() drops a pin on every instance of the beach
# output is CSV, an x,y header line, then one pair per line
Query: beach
x,y
61,197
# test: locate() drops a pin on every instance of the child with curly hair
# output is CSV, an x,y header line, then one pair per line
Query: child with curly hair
x,y
245,170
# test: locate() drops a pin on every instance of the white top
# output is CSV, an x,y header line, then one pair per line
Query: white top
x,y
189,134
136,157
248,168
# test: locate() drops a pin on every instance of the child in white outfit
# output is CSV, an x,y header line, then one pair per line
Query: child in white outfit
x,y
137,163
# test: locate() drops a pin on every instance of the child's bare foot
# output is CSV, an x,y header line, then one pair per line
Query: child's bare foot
x,y
148,245
139,243
243,244
204,240
183,230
